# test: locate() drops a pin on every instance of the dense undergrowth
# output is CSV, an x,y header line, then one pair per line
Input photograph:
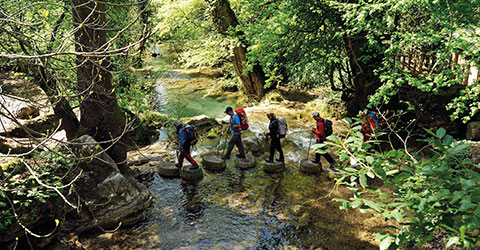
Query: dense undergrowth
x,y
424,196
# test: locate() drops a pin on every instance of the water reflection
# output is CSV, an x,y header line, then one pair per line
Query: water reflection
x,y
192,203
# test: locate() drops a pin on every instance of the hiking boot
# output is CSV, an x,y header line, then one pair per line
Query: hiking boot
x,y
316,162
178,165
332,164
331,173
194,166
240,156
280,160
269,160
225,157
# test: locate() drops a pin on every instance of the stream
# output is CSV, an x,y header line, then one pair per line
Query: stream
x,y
239,209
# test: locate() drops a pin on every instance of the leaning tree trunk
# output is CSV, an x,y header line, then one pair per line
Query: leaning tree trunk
x,y
100,114
224,18
365,82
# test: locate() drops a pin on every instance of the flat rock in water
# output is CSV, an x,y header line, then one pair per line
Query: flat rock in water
x,y
213,162
247,162
308,167
274,167
168,169
191,174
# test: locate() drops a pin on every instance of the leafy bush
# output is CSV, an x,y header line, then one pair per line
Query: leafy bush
x,y
21,191
424,196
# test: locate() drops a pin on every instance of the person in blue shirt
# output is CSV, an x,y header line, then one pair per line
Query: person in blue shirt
x,y
183,146
236,135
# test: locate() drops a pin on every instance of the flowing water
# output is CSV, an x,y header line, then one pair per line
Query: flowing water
x,y
240,209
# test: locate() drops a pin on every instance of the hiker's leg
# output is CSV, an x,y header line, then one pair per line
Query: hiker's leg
x,y
272,149
317,155
239,143
180,158
328,157
231,143
188,155
278,147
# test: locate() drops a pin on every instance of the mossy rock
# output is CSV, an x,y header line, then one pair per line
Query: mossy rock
x,y
244,163
168,169
213,162
191,174
308,167
274,167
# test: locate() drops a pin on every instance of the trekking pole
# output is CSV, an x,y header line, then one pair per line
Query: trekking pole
x,y
226,138
220,141
309,145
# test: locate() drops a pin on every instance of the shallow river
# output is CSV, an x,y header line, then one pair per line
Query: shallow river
x,y
240,209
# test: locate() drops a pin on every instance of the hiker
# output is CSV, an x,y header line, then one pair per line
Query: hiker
x,y
273,132
184,145
321,134
369,126
236,134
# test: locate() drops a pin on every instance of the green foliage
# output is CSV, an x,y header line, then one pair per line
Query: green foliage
x,y
424,196
24,192
403,28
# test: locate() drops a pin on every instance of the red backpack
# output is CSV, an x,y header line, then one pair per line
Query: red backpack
x,y
243,118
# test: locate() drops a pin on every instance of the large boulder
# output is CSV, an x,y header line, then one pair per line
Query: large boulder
x,y
256,145
475,150
473,131
108,197
202,122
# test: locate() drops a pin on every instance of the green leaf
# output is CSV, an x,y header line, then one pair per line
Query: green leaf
x,y
397,215
451,241
441,132
385,244
373,205
370,174
363,180
356,203
369,159
467,184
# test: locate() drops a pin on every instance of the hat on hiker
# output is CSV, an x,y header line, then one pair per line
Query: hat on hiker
x,y
228,110
315,114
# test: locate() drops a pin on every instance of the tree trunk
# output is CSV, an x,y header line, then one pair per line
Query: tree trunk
x,y
224,18
61,106
365,82
100,114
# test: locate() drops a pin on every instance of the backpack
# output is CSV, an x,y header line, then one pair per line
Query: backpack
x,y
243,118
373,117
328,127
191,134
282,127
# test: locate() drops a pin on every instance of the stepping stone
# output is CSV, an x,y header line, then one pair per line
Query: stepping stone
x,y
245,163
308,167
274,167
190,174
213,162
168,169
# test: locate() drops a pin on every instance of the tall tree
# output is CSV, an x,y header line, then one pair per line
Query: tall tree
x,y
101,115
225,21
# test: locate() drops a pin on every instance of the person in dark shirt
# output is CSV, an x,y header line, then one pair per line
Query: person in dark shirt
x,y
183,146
274,138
